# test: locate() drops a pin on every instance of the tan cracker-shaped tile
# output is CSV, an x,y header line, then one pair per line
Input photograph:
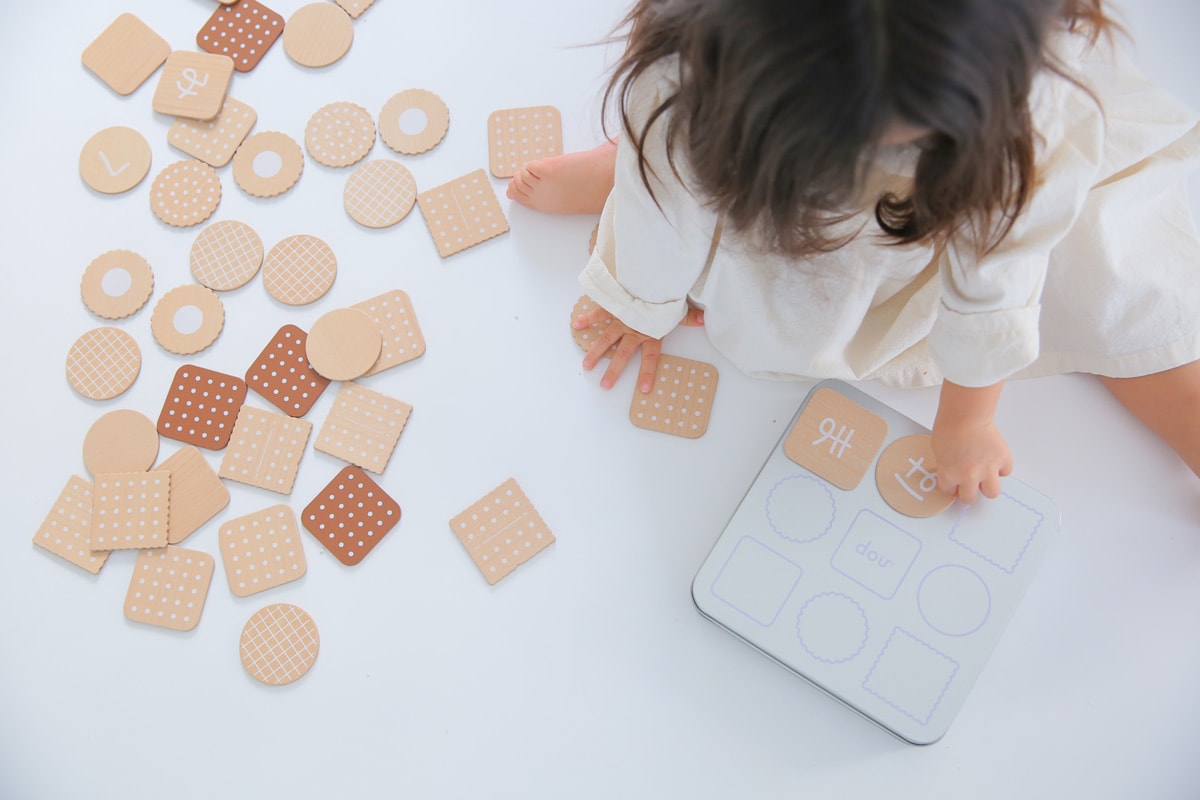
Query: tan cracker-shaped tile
x,y
244,31
268,164
339,134
462,213
201,407
363,427
169,587
680,400
518,135
262,550
379,193
501,531
114,160
265,449
197,492
116,284
66,530
185,193
282,375
103,363
226,255
299,270
130,510
402,338
193,85
318,34
214,141
126,53
351,515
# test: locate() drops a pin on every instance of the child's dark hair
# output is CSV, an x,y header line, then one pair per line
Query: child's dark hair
x,y
780,100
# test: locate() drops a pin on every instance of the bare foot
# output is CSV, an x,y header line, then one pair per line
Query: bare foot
x,y
575,183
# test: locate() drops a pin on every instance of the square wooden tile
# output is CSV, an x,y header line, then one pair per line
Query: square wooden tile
x,y
501,531
126,53
462,213
197,493
680,401
282,375
201,407
835,438
265,449
351,515
363,427
193,85
262,550
216,140
130,510
169,587
66,530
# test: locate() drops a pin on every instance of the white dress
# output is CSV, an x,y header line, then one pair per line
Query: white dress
x,y
1100,274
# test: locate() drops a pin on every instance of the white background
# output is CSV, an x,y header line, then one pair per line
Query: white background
x,y
587,673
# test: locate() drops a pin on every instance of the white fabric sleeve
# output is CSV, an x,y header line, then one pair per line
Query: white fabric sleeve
x,y
648,255
986,327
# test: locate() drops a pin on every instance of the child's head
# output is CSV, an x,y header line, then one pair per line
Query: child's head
x,y
782,102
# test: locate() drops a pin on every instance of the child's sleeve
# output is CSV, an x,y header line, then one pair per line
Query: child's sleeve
x,y
986,327
648,254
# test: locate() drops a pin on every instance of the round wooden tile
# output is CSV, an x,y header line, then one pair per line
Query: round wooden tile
x,y
268,164
226,255
103,363
120,441
906,476
299,270
343,344
185,193
187,319
279,644
116,284
340,134
318,34
114,160
379,193
411,142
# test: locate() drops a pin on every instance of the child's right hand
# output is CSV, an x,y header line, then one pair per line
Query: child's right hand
x,y
627,341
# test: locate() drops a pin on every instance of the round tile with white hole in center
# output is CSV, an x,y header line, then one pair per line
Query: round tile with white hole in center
x,y
343,344
226,255
114,160
116,284
279,644
187,319
185,193
120,441
103,363
414,121
268,164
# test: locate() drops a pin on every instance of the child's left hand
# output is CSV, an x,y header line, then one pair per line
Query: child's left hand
x,y
971,454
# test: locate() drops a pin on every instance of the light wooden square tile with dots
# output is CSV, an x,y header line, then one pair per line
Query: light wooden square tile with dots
x,y
680,400
518,135
501,531
262,550
66,530
130,510
265,449
363,427
402,338
169,587
216,140
462,213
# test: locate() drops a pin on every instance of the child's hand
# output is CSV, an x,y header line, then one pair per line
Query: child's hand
x,y
971,454
627,341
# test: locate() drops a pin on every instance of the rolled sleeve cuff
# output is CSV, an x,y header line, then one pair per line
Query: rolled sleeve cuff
x,y
652,319
981,349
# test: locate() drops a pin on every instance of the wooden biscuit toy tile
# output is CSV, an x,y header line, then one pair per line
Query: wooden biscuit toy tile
x,y
414,121
169,587
116,284
279,644
126,54
379,193
114,160
226,255
343,344
244,31
520,135
402,338
339,134
835,438
299,270
268,164
216,140
103,363
680,400
501,531
265,450
586,337
363,427
201,407
130,510
355,8
350,516
66,530
462,213
193,85
185,193
187,319
197,493
318,34
282,375
906,476
120,441
262,550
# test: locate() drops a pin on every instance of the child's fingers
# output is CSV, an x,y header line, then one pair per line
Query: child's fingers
x,y
694,318
620,358
651,350
589,318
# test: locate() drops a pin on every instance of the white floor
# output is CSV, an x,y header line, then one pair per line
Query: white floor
x,y
587,673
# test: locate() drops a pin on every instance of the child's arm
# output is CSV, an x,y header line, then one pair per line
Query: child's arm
x,y
971,454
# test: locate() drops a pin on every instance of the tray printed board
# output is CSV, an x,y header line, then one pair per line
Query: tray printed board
x,y
893,615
